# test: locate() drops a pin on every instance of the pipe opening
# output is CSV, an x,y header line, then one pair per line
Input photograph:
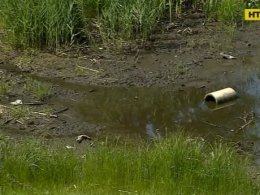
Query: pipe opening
x,y
210,98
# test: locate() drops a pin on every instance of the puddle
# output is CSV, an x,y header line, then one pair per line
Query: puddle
x,y
131,110
156,112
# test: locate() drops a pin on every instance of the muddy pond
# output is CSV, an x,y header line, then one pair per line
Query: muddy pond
x,y
150,112
155,112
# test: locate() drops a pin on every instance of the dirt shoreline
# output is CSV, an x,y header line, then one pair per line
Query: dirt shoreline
x,y
182,55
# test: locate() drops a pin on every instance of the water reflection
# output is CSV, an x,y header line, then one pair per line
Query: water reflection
x,y
151,131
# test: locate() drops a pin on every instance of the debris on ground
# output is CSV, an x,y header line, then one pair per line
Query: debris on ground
x,y
70,147
227,56
17,102
83,137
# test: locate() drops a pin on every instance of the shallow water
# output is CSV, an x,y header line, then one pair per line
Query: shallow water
x,y
156,112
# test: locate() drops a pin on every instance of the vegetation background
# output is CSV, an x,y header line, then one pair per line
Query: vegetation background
x,y
52,23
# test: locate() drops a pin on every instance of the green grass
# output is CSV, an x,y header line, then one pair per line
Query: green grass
x,y
130,19
49,23
20,113
52,23
40,23
177,165
4,88
226,11
37,89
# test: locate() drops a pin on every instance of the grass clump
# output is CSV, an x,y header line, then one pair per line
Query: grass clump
x,y
4,88
38,89
20,112
177,165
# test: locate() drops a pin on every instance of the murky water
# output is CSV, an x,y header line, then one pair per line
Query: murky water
x,y
156,112
139,111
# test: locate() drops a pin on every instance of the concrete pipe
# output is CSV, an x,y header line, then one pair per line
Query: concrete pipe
x,y
221,96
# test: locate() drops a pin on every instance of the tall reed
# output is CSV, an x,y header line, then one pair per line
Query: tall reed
x,y
40,23
51,23
226,11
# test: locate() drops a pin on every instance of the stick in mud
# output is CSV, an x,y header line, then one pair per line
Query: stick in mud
x,y
60,111
90,69
34,103
39,113
44,114
214,125
7,121
19,122
211,124
245,125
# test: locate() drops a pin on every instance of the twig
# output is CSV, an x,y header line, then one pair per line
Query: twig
x,y
39,113
93,70
34,103
214,125
105,60
7,107
245,125
8,121
126,192
19,122
44,114
122,61
243,119
136,57
211,124
41,118
61,111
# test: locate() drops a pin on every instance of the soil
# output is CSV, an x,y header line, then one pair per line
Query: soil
x,y
183,54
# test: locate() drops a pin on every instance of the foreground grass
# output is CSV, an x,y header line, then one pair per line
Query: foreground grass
x,y
177,165
40,23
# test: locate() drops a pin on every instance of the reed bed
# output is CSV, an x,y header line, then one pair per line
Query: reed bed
x,y
53,23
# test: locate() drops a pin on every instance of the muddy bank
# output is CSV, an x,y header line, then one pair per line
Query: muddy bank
x,y
38,114
185,54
